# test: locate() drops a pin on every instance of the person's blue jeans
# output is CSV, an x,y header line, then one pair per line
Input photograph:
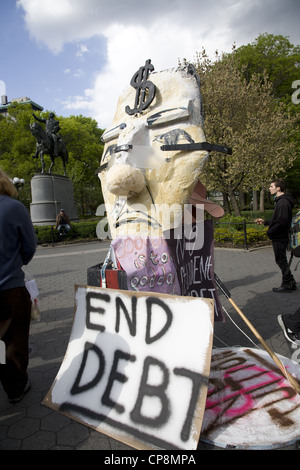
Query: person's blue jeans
x,y
66,227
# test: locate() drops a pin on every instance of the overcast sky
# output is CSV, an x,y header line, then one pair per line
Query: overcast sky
x,y
75,56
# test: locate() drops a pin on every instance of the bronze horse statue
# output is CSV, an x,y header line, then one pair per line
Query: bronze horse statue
x,y
45,146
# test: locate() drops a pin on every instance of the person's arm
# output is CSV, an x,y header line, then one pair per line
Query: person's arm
x,y
38,118
57,221
262,222
27,236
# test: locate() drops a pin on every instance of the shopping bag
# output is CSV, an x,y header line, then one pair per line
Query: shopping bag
x,y
31,286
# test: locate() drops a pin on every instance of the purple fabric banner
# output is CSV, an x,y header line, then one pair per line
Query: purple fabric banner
x,y
148,263
172,264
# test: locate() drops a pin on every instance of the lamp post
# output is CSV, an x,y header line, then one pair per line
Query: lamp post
x,y
19,183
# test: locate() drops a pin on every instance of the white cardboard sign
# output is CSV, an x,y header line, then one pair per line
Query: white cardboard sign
x,y
137,367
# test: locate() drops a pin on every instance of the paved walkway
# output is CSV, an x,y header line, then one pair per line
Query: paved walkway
x,y
249,275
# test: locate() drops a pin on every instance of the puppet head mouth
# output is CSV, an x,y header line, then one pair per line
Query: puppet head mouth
x,y
124,180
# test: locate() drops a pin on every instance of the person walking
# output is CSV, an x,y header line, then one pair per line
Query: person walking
x,y
17,247
278,232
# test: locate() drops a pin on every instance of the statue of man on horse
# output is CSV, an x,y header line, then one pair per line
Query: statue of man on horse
x,y
49,142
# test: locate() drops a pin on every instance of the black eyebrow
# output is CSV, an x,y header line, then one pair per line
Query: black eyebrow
x,y
198,146
110,149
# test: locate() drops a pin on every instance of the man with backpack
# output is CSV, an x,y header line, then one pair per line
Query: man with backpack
x,y
279,233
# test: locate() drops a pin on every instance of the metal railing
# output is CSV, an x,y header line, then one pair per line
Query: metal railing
x,y
237,234
49,235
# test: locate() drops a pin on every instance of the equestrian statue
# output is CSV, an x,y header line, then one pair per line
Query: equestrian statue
x,y
49,142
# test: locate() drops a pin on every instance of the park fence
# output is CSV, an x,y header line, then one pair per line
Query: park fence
x,y
243,234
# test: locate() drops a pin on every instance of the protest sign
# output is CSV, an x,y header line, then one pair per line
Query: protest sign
x,y
137,367
192,250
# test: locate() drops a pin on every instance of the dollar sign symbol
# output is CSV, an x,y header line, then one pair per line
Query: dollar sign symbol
x,y
142,84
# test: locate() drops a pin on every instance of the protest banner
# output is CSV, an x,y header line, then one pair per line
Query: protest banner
x,y
195,262
137,367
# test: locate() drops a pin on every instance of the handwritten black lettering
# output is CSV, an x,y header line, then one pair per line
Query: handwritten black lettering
x,y
115,375
99,310
158,391
150,302
198,380
131,321
77,388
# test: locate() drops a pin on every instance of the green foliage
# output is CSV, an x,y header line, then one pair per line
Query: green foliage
x,y
248,106
235,221
231,231
83,141
274,55
245,116
79,231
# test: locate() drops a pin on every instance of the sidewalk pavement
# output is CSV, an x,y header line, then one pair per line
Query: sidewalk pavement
x,y
29,425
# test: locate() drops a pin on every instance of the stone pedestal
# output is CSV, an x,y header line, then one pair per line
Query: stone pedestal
x,y
50,193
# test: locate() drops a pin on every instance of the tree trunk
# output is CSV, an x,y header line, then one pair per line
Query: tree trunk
x,y
226,204
255,201
234,203
262,200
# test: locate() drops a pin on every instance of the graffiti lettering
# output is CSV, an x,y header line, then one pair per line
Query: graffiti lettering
x,y
243,384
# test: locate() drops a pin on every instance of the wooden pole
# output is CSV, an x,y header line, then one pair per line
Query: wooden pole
x,y
294,382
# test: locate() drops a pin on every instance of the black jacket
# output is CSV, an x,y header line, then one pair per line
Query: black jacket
x,y
280,223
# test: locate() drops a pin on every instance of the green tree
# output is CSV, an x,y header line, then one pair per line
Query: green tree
x,y
83,140
16,147
243,115
276,57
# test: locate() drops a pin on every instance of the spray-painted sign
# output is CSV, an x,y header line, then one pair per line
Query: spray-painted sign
x,y
137,367
195,264
249,402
